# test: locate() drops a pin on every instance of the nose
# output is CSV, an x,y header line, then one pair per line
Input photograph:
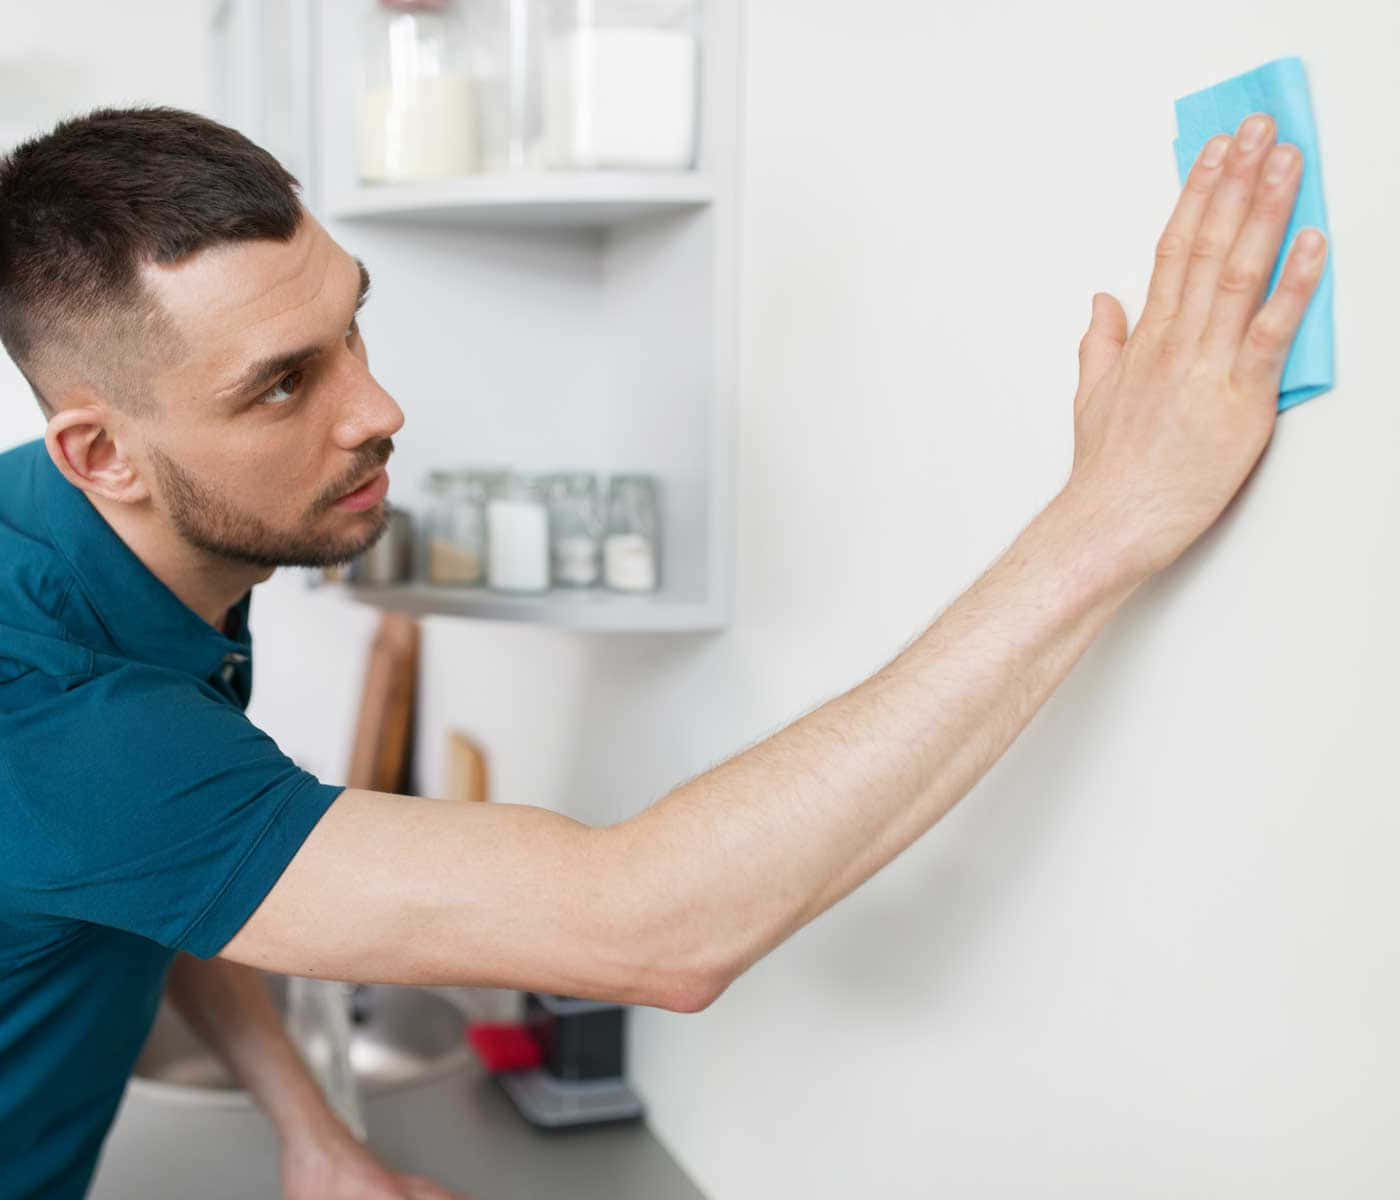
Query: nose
x,y
368,413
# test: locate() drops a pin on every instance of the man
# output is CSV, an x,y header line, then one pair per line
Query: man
x,y
189,330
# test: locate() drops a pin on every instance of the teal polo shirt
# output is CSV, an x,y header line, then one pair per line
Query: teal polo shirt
x,y
141,814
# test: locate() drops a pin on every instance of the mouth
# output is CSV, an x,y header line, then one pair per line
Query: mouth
x,y
367,495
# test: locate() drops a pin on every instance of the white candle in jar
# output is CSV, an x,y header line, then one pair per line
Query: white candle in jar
x,y
518,553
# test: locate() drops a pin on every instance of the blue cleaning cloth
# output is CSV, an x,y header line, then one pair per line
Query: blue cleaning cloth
x,y
1279,88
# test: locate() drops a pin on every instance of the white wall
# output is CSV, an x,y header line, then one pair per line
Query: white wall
x,y
1152,954
60,60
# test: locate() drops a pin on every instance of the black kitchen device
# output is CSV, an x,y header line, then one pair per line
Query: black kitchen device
x,y
580,1082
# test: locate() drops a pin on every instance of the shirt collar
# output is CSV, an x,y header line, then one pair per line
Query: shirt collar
x,y
127,604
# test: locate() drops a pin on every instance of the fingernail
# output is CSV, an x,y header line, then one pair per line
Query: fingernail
x,y
1309,245
1215,151
1252,132
1278,164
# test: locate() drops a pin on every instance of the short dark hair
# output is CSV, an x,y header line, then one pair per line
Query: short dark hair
x,y
83,206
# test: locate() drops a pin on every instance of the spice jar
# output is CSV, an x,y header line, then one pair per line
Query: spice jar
x,y
517,527
630,549
454,538
418,111
576,528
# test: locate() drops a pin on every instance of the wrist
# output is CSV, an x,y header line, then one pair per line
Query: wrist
x,y
314,1129
1099,560
303,1117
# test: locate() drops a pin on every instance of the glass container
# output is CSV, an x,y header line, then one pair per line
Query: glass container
x,y
503,51
318,1025
454,529
576,528
517,530
418,105
630,557
620,83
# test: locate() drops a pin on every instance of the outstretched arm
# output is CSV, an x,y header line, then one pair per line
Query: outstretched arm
x,y
1168,424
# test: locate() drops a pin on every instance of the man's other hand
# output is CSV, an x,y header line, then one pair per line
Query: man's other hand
x,y
329,1164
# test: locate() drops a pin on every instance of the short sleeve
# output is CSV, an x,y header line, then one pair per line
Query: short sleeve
x,y
147,803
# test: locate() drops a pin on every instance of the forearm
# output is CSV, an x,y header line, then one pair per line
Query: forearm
x,y
229,1007
752,850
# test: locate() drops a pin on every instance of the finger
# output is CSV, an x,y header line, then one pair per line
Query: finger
x,y
1174,246
422,1188
1250,267
1101,345
1258,367
1225,215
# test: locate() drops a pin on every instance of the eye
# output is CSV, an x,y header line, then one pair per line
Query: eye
x,y
280,394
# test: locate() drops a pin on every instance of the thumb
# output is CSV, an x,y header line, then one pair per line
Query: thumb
x,y
1102,343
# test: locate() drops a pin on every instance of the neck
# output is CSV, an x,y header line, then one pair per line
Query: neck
x,y
207,584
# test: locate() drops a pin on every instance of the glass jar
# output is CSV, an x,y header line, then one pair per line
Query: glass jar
x,y
418,109
575,528
517,531
620,81
503,53
630,548
454,532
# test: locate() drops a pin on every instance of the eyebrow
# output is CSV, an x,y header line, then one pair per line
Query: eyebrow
x,y
268,370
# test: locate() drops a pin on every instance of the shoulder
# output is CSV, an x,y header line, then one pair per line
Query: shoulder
x,y
123,727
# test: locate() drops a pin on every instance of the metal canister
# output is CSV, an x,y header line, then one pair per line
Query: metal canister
x,y
390,559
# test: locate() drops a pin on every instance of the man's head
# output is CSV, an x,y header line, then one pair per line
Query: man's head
x,y
189,329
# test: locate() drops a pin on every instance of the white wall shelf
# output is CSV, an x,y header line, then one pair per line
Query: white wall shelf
x,y
564,200
542,320
592,609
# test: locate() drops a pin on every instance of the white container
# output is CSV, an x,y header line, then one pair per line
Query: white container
x,y
422,130
619,83
517,534
418,104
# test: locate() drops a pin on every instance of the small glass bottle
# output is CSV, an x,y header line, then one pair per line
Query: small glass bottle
x,y
630,548
454,549
517,527
576,528
418,107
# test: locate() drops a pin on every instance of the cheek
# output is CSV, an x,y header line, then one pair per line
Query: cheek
x,y
275,471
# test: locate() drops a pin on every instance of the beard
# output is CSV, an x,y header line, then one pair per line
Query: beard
x,y
210,522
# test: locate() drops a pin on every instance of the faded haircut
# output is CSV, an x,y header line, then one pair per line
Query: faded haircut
x,y
84,206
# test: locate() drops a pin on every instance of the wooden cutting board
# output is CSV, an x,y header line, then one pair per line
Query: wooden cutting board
x,y
381,753
466,769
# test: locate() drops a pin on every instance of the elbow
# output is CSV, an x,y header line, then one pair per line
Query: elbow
x,y
692,994
658,946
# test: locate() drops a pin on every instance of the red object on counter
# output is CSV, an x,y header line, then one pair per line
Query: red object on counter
x,y
507,1047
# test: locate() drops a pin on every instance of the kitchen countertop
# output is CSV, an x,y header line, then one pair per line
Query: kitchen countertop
x,y
461,1130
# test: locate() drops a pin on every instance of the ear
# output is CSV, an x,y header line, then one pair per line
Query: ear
x,y
82,446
